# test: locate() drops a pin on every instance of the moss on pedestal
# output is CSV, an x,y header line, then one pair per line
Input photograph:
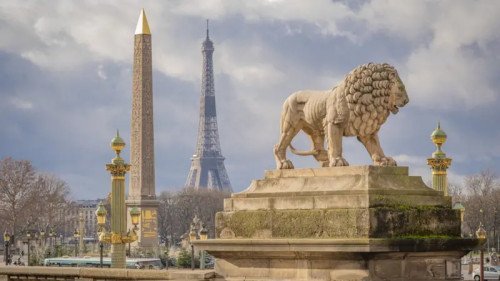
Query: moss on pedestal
x,y
380,222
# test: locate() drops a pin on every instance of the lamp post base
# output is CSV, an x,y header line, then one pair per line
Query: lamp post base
x,y
481,263
118,258
192,257
101,246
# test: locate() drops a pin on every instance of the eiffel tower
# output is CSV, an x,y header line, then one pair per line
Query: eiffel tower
x,y
207,164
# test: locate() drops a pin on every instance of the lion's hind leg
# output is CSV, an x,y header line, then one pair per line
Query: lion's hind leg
x,y
318,140
288,132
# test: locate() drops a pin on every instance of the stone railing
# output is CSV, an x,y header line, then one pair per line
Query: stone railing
x,y
95,274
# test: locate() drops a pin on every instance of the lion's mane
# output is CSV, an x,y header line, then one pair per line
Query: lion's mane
x,y
367,92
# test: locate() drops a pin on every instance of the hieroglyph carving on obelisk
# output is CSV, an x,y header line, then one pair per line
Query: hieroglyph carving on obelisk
x,y
142,173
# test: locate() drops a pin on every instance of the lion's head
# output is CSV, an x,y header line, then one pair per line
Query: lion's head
x,y
372,91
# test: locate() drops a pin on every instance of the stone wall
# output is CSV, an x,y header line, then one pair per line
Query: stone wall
x,y
87,274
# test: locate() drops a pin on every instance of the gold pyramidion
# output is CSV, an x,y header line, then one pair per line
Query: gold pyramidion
x,y
142,24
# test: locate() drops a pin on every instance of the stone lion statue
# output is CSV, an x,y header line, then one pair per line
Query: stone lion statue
x,y
358,106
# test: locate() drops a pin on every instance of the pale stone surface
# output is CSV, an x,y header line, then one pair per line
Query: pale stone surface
x,y
337,187
58,273
337,202
338,259
358,106
366,223
142,193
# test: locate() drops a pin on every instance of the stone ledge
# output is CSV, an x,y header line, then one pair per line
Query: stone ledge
x,y
337,181
338,245
337,171
334,199
107,273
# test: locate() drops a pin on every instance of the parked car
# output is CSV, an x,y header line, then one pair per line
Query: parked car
x,y
490,273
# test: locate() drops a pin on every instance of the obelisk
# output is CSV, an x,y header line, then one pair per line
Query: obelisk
x,y
142,173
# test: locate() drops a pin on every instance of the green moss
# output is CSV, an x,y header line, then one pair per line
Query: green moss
x,y
246,223
403,220
396,221
420,237
341,223
403,202
298,223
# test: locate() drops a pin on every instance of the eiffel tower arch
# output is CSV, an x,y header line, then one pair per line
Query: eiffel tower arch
x,y
207,164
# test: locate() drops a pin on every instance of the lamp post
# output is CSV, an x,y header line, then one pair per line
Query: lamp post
x,y
192,237
203,236
6,240
52,235
42,237
458,206
76,235
118,236
481,235
81,230
197,224
28,238
166,253
439,163
101,221
61,238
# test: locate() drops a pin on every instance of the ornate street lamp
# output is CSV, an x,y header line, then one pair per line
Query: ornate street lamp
x,y
6,240
192,237
101,214
461,208
481,235
118,236
76,235
52,235
135,217
42,238
203,236
28,238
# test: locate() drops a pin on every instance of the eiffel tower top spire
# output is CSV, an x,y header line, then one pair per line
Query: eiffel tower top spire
x,y
208,37
207,46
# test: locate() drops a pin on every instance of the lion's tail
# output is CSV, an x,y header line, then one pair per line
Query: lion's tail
x,y
302,152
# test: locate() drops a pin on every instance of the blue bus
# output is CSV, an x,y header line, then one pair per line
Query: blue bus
x,y
135,263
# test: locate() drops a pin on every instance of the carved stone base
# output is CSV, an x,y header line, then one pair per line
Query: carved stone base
x,y
366,223
338,259
341,202
148,226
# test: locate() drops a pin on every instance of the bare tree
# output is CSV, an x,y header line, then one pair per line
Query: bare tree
x,y
481,199
54,193
18,194
177,210
29,200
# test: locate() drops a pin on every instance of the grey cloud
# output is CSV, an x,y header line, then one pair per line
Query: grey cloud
x,y
61,113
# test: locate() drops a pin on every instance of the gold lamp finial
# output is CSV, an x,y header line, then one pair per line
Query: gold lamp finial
x,y
438,136
142,24
117,143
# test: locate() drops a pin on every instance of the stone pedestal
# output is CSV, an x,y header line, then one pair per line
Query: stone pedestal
x,y
346,223
147,234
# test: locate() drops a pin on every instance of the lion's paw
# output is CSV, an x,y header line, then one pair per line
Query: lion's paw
x,y
286,164
338,162
384,161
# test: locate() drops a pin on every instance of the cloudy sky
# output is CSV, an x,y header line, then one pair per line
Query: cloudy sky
x,y
65,80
